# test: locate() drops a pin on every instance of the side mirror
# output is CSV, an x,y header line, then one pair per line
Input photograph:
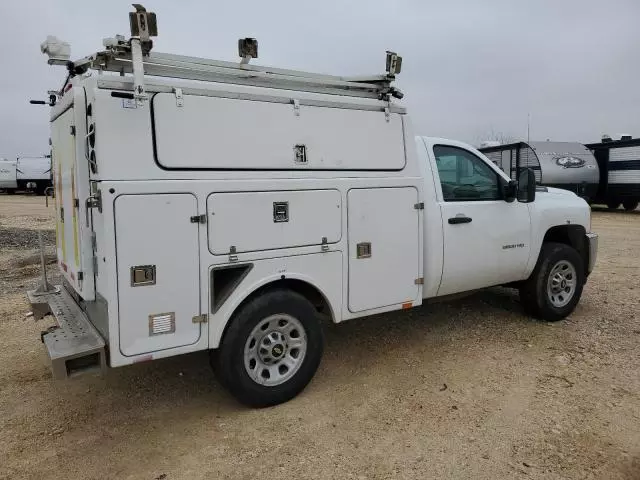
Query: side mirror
x,y
509,191
527,186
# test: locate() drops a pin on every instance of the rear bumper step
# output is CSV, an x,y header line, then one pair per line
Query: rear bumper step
x,y
75,347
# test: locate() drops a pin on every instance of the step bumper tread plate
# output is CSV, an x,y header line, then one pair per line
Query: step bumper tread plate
x,y
75,347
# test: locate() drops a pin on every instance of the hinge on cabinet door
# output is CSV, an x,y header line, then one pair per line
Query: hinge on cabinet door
x,y
80,276
95,201
325,246
76,202
94,243
296,106
95,265
72,130
387,114
200,318
419,281
198,218
419,206
179,98
92,201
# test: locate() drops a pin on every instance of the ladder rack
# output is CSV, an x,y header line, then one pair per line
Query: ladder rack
x,y
134,57
120,60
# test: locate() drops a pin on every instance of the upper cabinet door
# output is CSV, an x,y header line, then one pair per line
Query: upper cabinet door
x,y
233,134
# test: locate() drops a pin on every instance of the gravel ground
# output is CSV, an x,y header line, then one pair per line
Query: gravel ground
x,y
469,389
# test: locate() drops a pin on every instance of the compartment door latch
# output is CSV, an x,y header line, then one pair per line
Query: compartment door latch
x,y
179,97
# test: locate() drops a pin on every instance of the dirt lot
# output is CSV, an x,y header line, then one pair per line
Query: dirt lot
x,y
470,389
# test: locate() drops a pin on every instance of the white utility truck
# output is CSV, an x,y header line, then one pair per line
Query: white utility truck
x,y
208,205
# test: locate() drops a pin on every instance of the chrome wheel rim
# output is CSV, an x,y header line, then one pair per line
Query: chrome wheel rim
x,y
275,349
561,285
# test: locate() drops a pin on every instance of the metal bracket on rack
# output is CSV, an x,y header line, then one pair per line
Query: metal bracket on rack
x,y
139,92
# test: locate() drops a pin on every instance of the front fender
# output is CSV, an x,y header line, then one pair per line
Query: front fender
x,y
553,211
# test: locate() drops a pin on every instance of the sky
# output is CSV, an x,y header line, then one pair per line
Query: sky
x,y
472,69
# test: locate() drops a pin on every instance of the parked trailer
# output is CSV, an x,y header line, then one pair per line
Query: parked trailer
x,y
619,162
34,173
567,165
8,178
235,213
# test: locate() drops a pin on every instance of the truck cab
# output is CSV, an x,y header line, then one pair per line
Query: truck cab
x,y
238,213
489,236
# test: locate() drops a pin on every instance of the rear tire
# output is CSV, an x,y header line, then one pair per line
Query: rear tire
x,y
613,205
630,205
554,288
271,349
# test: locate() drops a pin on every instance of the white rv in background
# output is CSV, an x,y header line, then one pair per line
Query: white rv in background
x,y
8,179
34,173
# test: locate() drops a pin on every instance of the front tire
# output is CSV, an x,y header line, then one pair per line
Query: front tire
x,y
554,288
271,349
630,205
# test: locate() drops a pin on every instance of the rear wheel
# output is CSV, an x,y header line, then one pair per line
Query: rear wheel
x,y
271,349
613,205
630,205
555,285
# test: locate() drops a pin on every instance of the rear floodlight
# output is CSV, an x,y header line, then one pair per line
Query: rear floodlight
x,y
143,24
58,51
394,63
247,49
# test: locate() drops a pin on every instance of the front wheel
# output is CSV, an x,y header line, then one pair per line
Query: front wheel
x,y
271,349
555,285
630,205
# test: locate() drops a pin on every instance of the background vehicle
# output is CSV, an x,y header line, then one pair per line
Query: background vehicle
x,y
567,165
176,234
619,162
8,175
34,173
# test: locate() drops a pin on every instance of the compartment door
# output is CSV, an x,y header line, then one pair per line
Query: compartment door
x,y
384,247
71,184
158,272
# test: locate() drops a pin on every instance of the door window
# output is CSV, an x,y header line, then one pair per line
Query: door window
x,y
464,176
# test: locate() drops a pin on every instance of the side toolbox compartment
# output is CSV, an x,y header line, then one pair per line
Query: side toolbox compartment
x,y
384,248
251,221
158,270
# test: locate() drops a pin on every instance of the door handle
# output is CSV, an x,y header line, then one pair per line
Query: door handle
x,y
457,220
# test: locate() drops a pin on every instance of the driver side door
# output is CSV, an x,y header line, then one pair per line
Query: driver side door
x,y
486,239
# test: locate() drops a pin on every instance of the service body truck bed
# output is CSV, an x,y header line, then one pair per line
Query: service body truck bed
x,y
232,214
